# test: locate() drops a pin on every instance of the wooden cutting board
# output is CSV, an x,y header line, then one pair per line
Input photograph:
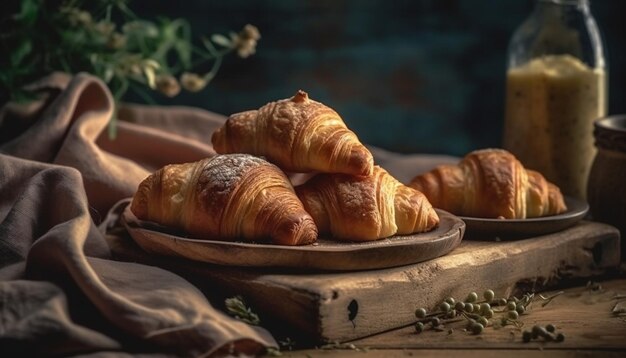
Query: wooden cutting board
x,y
327,307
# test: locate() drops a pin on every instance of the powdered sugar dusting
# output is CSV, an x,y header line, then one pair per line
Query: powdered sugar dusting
x,y
221,174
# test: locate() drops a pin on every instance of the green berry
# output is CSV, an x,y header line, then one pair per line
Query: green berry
x,y
475,308
444,307
488,314
469,307
451,301
419,327
504,321
526,336
420,313
472,297
550,328
484,307
489,295
511,306
520,309
502,302
513,315
483,321
435,322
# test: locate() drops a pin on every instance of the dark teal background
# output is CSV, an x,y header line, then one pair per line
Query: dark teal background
x,y
409,76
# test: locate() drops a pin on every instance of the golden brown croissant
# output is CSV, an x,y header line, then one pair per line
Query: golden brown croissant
x,y
490,183
364,208
298,135
226,197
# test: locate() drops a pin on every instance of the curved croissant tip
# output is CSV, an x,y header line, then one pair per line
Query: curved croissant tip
x,y
300,96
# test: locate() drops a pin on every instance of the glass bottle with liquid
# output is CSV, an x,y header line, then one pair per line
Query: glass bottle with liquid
x,y
556,88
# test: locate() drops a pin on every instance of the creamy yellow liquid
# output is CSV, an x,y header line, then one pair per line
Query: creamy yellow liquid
x,y
551,104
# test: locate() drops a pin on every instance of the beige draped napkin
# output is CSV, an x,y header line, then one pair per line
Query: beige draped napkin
x,y
61,292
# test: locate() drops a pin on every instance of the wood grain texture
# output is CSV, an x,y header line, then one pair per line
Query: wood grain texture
x,y
349,305
582,314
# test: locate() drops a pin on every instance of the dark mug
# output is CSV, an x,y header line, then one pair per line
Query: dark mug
x,y
606,188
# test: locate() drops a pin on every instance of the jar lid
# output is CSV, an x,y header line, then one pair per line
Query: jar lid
x,y
610,133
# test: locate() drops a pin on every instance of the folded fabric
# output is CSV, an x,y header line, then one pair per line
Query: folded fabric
x,y
60,292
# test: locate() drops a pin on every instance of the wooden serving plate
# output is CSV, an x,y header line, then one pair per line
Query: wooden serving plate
x,y
325,254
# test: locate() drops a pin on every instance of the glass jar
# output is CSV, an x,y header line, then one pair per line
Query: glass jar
x,y
556,88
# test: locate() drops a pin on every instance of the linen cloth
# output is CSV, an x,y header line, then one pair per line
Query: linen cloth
x,y
61,292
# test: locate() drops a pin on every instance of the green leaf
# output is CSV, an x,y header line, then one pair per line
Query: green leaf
x,y
29,11
221,40
184,53
18,55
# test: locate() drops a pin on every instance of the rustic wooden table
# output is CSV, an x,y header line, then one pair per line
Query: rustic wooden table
x,y
318,306
583,313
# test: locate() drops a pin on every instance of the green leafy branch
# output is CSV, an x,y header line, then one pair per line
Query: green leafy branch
x,y
107,39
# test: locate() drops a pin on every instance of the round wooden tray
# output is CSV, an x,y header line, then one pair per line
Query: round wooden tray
x,y
323,255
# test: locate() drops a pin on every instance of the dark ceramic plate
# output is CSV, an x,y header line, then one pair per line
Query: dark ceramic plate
x,y
511,229
323,255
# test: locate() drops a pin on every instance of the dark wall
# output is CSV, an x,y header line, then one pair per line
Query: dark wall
x,y
409,76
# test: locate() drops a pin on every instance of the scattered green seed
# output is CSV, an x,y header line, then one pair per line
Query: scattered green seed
x,y
420,313
451,301
560,337
513,315
435,322
502,302
469,307
484,307
489,314
444,307
520,309
489,295
539,331
511,306
551,328
475,308
472,297
483,321
419,327
477,328
548,337
459,306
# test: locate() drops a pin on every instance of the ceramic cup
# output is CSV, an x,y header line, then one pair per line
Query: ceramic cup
x,y
606,189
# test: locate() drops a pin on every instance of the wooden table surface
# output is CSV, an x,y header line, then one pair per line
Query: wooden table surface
x,y
583,313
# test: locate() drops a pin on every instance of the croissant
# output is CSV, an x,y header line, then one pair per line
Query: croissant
x,y
490,183
298,135
226,197
365,208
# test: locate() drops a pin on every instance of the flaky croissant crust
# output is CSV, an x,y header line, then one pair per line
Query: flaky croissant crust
x,y
363,208
226,197
297,134
490,183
